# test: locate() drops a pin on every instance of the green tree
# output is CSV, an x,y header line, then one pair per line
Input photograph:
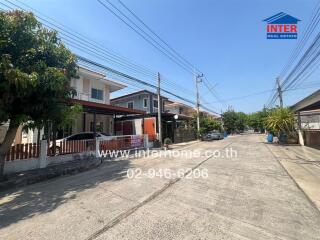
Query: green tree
x,y
35,73
257,120
241,120
229,120
206,124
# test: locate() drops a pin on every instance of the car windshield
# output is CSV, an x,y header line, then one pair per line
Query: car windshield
x,y
105,134
215,131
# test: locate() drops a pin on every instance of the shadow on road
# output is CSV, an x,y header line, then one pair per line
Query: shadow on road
x,y
26,202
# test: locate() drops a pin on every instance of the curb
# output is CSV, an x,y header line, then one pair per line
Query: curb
x,y
293,179
34,176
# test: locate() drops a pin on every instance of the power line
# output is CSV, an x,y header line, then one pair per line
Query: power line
x,y
167,50
85,45
108,69
144,35
213,92
314,20
307,62
155,34
89,41
65,34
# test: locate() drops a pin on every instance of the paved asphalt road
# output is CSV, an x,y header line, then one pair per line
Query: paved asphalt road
x,y
245,197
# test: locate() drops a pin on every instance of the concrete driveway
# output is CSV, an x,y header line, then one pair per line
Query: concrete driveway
x,y
249,196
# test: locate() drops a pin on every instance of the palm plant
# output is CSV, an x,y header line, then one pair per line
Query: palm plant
x,y
281,121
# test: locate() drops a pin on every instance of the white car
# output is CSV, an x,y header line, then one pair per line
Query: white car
x,y
80,136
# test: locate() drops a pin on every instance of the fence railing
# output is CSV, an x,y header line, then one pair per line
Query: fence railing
x,y
122,142
32,150
69,147
23,151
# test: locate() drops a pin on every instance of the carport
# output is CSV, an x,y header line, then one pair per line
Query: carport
x,y
94,109
308,115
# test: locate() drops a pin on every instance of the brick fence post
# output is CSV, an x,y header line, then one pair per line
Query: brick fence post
x,y
43,154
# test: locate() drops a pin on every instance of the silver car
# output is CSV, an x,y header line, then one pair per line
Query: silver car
x,y
213,135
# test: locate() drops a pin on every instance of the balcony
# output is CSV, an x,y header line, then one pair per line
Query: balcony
x,y
87,97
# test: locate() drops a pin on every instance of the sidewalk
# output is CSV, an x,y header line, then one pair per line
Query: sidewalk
x,y
303,164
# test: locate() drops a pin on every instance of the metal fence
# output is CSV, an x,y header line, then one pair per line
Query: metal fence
x,y
23,151
70,147
122,143
64,147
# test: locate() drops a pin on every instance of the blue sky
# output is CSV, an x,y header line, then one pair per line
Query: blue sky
x,y
226,40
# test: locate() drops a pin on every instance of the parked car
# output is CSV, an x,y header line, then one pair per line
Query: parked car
x,y
80,136
213,135
85,136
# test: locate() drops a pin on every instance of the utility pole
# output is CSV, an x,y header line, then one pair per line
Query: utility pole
x,y
198,80
221,120
279,92
159,112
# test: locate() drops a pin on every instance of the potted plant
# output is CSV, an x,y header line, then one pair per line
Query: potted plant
x,y
167,142
281,122
270,136
156,143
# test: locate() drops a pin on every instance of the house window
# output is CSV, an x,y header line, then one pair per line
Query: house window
x,y
97,94
145,102
155,103
130,104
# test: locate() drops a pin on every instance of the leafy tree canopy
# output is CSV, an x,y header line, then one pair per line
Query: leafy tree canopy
x,y
35,73
257,120
207,124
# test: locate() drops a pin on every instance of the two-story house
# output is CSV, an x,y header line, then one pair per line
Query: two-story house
x,y
179,108
148,101
93,87
93,94
142,100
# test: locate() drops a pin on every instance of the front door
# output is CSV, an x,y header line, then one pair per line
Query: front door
x,y
150,128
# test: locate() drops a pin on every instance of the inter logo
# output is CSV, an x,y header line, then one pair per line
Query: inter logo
x,y
282,26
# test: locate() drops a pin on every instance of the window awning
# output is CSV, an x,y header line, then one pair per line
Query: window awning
x,y
107,109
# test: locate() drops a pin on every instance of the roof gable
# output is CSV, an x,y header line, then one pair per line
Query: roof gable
x,y
281,18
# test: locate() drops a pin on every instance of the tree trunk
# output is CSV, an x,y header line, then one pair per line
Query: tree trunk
x,y
54,138
38,136
5,146
49,134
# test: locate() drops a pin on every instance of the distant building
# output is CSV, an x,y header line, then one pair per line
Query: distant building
x,y
174,117
142,100
210,115
179,108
